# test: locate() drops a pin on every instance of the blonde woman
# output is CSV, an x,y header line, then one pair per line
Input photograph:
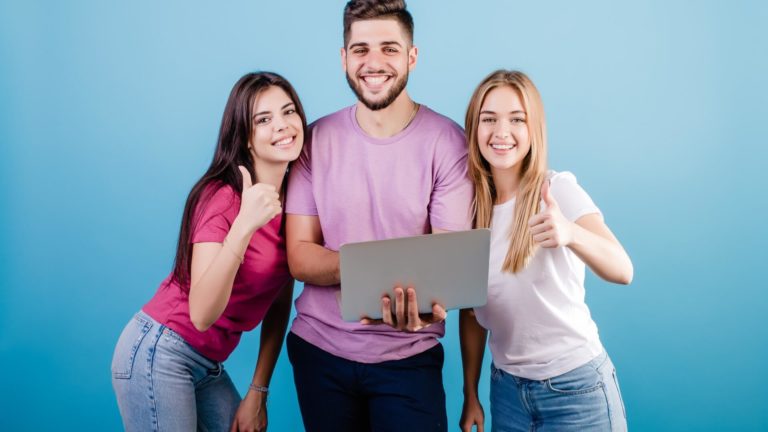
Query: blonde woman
x,y
549,369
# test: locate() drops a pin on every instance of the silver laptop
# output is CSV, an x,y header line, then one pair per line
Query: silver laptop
x,y
448,268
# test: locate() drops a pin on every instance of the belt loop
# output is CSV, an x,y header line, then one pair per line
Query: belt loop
x,y
218,370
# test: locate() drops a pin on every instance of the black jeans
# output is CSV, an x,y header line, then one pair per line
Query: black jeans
x,y
336,394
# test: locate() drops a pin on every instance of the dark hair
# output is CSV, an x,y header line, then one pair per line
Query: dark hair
x,y
360,10
231,151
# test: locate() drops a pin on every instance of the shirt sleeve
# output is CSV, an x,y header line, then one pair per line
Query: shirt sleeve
x,y
215,214
451,200
573,200
299,198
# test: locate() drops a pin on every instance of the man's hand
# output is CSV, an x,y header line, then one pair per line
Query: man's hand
x,y
406,316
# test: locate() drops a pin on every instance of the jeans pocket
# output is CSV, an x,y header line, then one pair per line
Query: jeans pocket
x,y
495,373
581,380
618,392
128,345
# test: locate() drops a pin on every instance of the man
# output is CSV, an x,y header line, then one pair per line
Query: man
x,y
385,167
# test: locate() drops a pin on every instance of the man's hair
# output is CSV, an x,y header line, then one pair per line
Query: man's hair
x,y
360,10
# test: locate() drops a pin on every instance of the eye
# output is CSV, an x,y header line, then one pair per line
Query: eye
x,y
518,120
489,120
390,50
360,51
262,120
289,111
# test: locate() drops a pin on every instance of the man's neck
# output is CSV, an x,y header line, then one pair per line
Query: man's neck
x,y
388,121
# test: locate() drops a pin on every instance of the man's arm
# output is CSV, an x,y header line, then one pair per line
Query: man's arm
x,y
308,260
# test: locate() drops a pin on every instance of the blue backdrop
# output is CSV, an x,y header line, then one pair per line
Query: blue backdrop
x,y
109,113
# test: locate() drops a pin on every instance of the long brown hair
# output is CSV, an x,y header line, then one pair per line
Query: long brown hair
x,y
532,173
231,151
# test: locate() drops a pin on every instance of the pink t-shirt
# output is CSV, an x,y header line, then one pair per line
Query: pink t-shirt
x,y
258,281
364,188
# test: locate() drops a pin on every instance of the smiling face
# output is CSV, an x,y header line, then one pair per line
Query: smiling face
x,y
277,134
502,131
377,60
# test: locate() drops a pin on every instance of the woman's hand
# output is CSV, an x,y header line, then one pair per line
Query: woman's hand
x,y
549,228
251,415
472,414
259,203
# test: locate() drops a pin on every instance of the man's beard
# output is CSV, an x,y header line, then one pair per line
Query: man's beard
x,y
393,93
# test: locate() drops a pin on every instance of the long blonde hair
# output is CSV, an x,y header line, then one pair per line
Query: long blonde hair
x,y
533,171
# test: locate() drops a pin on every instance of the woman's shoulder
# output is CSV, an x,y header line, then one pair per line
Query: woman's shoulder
x,y
218,197
560,176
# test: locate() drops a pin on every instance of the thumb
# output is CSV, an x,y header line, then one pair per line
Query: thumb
x,y
246,177
549,200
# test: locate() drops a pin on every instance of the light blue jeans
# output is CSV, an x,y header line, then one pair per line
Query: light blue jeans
x,y
585,399
162,384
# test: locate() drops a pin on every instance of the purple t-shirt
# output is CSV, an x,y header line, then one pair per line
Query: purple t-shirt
x,y
258,281
364,188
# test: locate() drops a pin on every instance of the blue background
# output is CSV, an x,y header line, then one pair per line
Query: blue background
x,y
109,113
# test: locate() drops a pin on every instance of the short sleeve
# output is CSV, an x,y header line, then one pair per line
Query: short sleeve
x,y
299,198
215,213
451,199
572,199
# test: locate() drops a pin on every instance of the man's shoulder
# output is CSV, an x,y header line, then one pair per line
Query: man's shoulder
x,y
443,127
332,120
440,120
440,123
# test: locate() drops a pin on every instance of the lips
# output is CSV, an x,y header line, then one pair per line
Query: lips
x,y
284,142
503,146
375,82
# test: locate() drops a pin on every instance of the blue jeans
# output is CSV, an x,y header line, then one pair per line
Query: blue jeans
x,y
340,395
585,399
162,384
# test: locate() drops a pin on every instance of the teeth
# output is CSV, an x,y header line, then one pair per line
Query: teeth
x,y
375,80
283,141
502,146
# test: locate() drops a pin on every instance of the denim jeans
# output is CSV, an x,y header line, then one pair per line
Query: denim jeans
x,y
162,384
340,395
584,399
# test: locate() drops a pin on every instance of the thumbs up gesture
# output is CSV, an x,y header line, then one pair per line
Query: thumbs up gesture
x,y
549,228
259,203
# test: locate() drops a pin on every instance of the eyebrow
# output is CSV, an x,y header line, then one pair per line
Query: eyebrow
x,y
365,44
511,112
270,112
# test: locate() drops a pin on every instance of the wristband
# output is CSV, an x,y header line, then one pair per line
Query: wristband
x,y
260,389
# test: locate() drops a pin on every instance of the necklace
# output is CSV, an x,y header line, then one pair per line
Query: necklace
x,y
413,115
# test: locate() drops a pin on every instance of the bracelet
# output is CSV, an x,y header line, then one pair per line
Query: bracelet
x,y
226,246
260,389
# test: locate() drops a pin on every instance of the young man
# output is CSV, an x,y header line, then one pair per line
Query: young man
x,y
385,167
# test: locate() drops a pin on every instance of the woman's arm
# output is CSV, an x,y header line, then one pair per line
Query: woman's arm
x,y
214,265
596,245
252,413
472,337
589,238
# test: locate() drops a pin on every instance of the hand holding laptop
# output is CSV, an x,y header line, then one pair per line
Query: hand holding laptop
x,y
447,270
406,316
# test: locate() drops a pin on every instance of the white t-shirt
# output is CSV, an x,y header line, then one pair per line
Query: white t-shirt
x,y
540,326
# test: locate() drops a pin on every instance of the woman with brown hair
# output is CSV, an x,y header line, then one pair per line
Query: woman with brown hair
x,y
230,274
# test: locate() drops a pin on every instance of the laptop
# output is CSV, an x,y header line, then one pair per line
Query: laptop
x,y
447,268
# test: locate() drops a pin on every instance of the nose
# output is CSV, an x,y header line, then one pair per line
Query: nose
x,y
502,130
279,123
374,60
